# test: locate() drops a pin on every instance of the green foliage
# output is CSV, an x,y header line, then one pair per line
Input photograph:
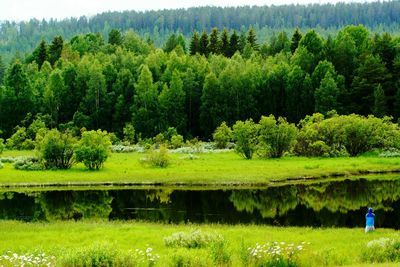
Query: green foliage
x,y
93,149
220,254
157,158
176,141
194,239
106,255
278,136
28,164
129,133
222,135
57,150
382,250
1,145
245,136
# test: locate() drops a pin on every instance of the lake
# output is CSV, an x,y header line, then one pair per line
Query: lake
x,y
341,203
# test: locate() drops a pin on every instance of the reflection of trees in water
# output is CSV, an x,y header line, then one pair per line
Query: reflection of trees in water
x,y
55,205
343,196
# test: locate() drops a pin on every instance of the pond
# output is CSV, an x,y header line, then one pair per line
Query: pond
x,y
335,203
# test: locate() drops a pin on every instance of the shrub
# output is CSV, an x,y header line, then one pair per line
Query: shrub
x,y
129,133
17,139
195,239
245,136
1,165
382,250
222,136
57,150
28,164
93,149
176,141
278,135
187,258
8,159
219,253
157,158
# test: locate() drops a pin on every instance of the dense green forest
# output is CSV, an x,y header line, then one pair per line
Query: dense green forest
x,y
158,25
223,76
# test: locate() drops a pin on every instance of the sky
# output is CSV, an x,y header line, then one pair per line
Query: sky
x,y
19,10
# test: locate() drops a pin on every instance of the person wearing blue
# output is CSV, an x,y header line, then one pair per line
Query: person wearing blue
x,y
369,221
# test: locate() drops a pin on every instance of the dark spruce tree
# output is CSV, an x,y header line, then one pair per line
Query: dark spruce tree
x,y
214,46
115,37
233,44
195,43
55,49
296,37
252,39
203,47
225,43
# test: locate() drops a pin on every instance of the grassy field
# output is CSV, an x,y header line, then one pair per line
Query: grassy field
x,y
219,169
334,246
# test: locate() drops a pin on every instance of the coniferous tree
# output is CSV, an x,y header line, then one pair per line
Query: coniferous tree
x,y
115,37
252,39
296,37
233,44
203,46
55,49
2,70
214,46
242,41
195,43
379,109
326,96
225,43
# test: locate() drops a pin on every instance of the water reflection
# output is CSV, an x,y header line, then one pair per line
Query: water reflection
x,y
339,203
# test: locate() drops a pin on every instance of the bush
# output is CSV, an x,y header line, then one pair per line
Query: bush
x,y
1,165
28,164
222,136
176,141
93,149
129,133
187,258
195,239
382,250
8,159
17,139
278,135
245,136
219,253
57,150
157,158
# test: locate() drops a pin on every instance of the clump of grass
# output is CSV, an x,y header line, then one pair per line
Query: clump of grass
x,y
107,255
195,239
219,253
277,254
382,250
189,258
28,259
157,158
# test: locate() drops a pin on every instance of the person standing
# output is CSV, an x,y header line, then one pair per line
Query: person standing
x,y
369,221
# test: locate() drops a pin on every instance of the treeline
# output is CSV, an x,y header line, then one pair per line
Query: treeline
x,y
88,83
378,16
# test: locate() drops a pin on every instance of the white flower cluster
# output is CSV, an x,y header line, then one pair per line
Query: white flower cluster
x,y
146,255
275,250
39,260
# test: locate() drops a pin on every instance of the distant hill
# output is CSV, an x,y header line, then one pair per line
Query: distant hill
x,y
158,25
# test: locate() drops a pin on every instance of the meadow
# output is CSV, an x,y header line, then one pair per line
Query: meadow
x,y
200,169
67,240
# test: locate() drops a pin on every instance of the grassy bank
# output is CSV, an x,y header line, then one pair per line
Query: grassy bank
x,y
221,168
62,239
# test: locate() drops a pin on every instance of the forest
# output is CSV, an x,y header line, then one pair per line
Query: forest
x,y
222,76
22,37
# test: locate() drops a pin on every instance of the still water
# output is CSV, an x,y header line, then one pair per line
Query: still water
x,y
338,203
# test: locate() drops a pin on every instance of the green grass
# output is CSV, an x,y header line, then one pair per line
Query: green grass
x,y
223,168
333,246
